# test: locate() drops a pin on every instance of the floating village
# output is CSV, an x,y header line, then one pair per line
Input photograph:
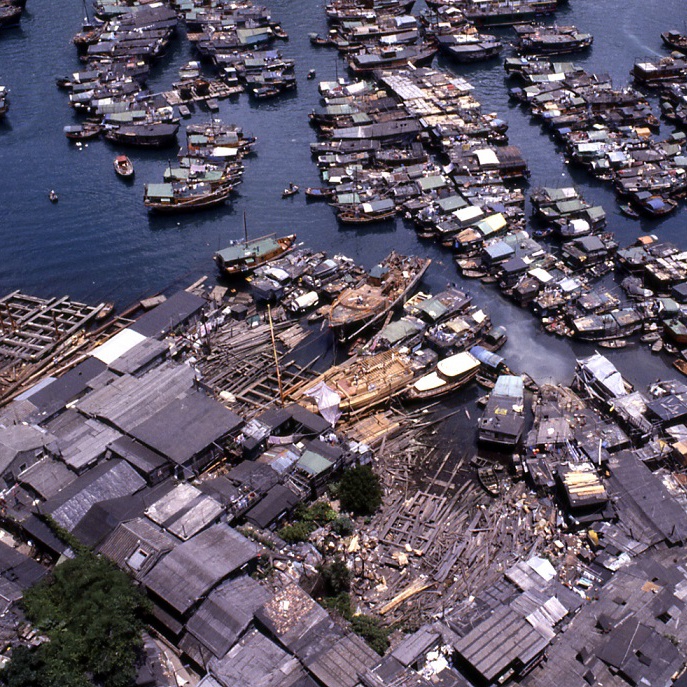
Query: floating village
x,y
527,532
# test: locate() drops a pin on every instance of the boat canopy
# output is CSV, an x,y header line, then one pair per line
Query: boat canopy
x,y
599,368
429,382
491,360
458,365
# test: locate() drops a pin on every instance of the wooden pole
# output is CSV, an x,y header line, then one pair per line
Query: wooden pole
x,y
276,359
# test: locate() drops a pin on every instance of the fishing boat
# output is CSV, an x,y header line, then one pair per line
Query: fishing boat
x,y
290,190
180,196
82,132
123,166
319,193
242,257
364,213
470,47
654,205
189,71
360,382
551,40
385,287
675,40
506,12
392,57
148,135
451,374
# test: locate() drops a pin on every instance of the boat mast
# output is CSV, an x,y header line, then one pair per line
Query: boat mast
x,y
274,351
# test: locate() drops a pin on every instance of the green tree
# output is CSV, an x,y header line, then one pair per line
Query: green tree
x,y
337,577
92,616
360,491
368,627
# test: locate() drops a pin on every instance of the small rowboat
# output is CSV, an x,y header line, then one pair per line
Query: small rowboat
x,y
290,190
321,193
123,166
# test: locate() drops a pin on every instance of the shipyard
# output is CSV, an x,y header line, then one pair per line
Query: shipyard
x,y
366,367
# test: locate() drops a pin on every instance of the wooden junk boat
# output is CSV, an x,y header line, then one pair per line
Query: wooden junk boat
x,y
123,166
384,288
179,196
242,257
360,382
675,40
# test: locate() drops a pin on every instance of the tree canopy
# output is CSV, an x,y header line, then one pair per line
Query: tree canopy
x,y
92,616
359,490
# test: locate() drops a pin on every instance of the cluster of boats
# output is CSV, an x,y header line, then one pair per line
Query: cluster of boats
x,y
123,40
420,347
606,129
371,150
208,169
386,36
119,46
238,40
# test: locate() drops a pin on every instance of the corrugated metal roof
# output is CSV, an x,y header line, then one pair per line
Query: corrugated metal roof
x,y
128,401
197,565
186,426
109,480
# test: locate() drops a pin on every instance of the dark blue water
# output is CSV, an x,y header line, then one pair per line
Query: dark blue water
x,y
99,243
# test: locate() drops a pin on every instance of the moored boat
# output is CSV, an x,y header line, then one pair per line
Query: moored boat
x,y
360,306
82,132
391,57
486,474
360,382
148,135
551,40
242,257
675,40
184,197
319,193
450,374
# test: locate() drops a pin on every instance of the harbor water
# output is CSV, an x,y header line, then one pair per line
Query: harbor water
x,y
99,242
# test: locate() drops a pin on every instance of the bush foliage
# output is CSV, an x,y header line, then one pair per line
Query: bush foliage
x,y
369,628
92,616
360,491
